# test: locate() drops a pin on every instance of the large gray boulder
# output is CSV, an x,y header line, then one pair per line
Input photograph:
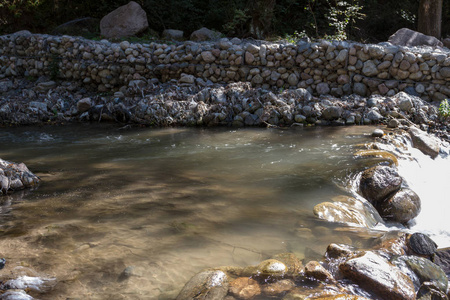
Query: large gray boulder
x,y
408,37
127,20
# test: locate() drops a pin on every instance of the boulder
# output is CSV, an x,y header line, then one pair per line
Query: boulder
x,y
379,182
15,176
408,37
446,42
205,34
402,207
315,270
173,34
442,259
127,20
428,144
84,105
206,285
428,290
278,287
332,112
425,270
271,268
376,274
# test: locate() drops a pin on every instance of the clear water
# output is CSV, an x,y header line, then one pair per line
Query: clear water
x,y
134,214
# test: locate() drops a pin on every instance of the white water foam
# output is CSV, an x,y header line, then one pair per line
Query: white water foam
x,y
430,179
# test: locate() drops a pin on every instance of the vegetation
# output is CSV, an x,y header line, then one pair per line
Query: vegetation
x,y
361,20
444,109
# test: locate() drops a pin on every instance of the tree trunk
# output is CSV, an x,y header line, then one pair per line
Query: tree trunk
x,y
430,17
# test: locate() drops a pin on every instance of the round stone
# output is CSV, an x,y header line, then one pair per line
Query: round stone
x,y
422,244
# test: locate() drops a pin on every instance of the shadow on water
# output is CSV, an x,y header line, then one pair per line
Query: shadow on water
x,y
168,203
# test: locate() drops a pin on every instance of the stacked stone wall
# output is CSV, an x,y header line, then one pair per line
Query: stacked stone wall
x,y
324,67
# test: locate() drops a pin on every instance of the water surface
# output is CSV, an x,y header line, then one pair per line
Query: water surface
x,y
134,214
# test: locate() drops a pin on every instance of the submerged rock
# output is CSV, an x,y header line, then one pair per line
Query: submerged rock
x,y
315,270
244,288
378,182
378,275
206,285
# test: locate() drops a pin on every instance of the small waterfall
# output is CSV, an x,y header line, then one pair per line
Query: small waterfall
x,y
430,179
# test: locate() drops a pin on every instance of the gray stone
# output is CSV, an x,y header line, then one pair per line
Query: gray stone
x,y
84,105
323,88
208,56
206,285
205,34
173,34
445,72
185,78
293,80
428,144
332,112
360,89
369,68
404,102
127,20
42,106
408,37
374,116
377,133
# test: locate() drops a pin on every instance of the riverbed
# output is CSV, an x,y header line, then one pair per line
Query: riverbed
x,y
127,213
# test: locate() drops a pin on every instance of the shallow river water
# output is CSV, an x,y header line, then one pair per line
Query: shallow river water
x,y
134,214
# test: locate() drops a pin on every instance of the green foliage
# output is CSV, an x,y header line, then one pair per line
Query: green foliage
x,y
295,37
342,17
237,25
444,109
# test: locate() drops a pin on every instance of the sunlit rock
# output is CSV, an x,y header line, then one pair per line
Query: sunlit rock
x,y
402,207
378,275
271,268
428,144
15,176
244,288
315,270
206,285
276,288
378,182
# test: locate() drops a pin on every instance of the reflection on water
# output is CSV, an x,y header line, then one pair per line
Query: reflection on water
x,y
133,214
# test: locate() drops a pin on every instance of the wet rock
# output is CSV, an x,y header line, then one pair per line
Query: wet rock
x,y
348,211
206,285
426,271
315,270
292,262
16,295
339,297
244,288
408,37
402,207
377,133
278,287
378,182
127,20
378,275
428,144
84,105
429,291
442,259
271,268
335,251
421,244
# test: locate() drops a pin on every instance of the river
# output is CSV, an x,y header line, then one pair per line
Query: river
x,y
135,213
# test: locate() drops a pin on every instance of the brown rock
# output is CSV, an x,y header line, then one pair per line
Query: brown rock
x,y
315,270
84,105
244,288
278,287
206,285
402,207
127,20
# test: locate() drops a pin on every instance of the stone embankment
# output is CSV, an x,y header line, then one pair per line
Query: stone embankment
x,y
325,67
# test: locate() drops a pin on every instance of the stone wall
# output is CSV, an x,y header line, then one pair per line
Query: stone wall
x,y
335,68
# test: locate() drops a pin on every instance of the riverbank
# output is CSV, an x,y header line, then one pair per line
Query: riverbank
x,y
191,101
